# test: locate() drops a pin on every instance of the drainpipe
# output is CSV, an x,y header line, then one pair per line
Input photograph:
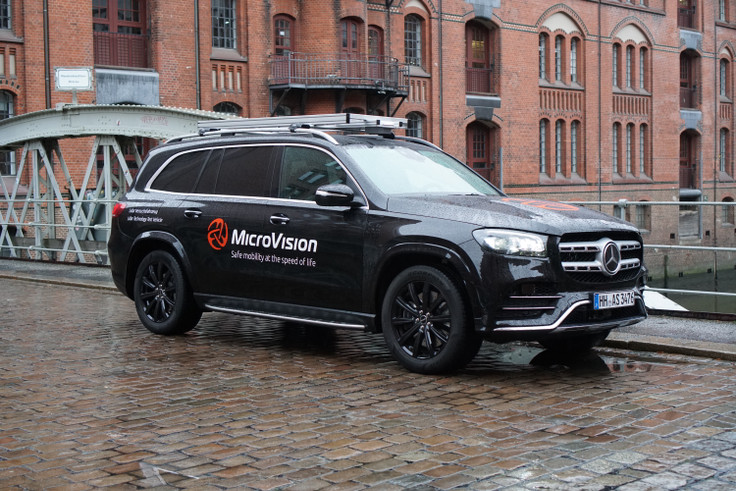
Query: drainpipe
x,y
46,59
196,54
441,105
600,111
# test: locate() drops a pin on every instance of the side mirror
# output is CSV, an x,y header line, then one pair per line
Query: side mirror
x,y
334,195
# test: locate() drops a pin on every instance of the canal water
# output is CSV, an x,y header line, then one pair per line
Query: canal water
x,y
724,281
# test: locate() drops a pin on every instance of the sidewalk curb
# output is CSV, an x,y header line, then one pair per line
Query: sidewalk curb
x,y
687,347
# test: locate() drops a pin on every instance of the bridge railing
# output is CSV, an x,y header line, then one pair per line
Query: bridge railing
x,y
685,243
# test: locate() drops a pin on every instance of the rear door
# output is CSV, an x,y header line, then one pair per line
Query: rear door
x,y
226,208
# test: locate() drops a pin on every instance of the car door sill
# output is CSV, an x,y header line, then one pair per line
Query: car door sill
x,y
288,318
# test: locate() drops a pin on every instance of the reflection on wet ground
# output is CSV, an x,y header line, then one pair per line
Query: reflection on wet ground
x,y
90,399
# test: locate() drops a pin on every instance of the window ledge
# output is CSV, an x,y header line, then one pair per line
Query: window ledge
x,y
6,35
417,71
226,54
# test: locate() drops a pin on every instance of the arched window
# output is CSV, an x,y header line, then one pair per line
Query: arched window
x,y
728,212
724,151
227,108
559,41
615,148
543,139
574,43
615,63
543,41
574,139
119,30
282,35
413,39
415,125
629,65
724,79
559,145
643,72
479,58
644,150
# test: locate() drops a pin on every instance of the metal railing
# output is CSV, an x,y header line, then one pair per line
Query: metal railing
x,y
325,70
127,50
691,228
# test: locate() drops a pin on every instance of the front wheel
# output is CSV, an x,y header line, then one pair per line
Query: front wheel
x,y
163,298
426,322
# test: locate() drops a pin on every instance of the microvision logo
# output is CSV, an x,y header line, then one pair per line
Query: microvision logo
x,y
217,234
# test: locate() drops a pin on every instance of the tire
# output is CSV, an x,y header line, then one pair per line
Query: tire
x,y
163,298
574,345
426,322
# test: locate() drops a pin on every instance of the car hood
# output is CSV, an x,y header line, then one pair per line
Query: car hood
x,y
533,215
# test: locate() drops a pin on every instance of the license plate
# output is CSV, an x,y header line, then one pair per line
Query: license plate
x,y
613,300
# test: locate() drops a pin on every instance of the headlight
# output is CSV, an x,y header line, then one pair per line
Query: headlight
x,y
512,243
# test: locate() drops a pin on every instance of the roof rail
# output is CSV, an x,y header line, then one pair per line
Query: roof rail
x,y
361,123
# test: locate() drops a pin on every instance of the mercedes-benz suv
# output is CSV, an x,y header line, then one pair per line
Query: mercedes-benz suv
x,y
335,220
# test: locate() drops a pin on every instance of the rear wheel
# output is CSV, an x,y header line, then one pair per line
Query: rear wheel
x,y
426,322
163,298
580,344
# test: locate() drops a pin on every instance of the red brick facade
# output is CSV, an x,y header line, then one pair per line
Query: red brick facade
x,y
578,100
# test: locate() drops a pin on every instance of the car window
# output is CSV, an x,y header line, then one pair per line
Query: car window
x,y
413,170
304,169
180,174
245,171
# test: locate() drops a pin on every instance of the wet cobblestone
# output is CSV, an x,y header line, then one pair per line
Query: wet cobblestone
x,y
89,399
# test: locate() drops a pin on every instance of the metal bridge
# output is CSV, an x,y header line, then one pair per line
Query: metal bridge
x,y
41,220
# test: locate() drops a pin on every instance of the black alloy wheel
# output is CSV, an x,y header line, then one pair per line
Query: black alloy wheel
x,y
426,323
163,298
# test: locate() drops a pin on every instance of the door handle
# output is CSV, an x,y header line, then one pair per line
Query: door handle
x,y
279,219
193,213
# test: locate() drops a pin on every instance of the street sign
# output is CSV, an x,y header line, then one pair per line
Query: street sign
x,y
73,79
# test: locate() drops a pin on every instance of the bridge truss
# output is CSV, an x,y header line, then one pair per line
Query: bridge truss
x,y
40,219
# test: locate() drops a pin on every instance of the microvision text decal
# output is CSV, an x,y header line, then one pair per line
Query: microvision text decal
x,y
219,235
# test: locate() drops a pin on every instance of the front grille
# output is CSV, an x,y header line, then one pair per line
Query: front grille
x,y
601,259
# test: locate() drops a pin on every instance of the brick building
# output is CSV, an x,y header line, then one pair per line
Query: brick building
x,y
595,100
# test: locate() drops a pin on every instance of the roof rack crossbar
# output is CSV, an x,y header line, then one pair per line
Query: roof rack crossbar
x,y
320,122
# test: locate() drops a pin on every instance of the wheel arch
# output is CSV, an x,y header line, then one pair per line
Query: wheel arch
x,y
405,255
149,242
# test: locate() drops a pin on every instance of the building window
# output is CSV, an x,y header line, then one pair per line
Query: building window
x,y
723,78
629,146
223,24
643,139
543,39
413,40
629,65
722,14
7,110
5,17
479,59
282,35
615,148
227,108
614,63
574,130
119,32
558,58
543,129
559,142
643,220
414,125
643,54
728,212
723,151
574,60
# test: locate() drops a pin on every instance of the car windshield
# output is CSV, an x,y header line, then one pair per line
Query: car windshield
x,y
413,170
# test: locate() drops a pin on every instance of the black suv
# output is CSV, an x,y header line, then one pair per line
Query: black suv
x,y
333,220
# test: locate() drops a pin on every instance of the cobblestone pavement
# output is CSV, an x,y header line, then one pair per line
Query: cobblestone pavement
x,y
89,399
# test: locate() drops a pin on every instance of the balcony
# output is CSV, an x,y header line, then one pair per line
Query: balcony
x,y
381,74
480,81
121,50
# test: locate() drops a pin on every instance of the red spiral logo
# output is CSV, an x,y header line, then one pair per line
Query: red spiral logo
x,y
217,234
